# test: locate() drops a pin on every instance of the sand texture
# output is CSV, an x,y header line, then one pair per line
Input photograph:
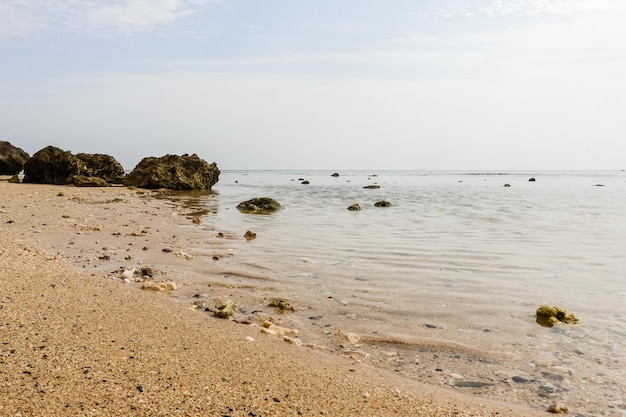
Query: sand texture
x,y
77,343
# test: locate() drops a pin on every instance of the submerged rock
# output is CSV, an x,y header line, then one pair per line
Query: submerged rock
x,y
549,316
174,172
12,158
262,205
249,235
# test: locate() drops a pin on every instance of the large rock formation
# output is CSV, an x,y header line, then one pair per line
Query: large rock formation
x,y
174,172
103,166
12,159
52,165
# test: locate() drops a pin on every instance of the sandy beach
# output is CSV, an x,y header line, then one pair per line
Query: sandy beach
x,y
78,340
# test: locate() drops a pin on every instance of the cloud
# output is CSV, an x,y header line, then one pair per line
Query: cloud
x,y
22,19
550,7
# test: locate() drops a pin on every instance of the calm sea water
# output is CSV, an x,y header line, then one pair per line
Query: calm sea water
x,y
459,259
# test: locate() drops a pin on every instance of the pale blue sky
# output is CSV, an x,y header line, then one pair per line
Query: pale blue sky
x,y
320,84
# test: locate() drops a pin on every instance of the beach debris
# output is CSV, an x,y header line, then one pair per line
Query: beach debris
x,y
472,384
292,340
348,337
549,316
185,255
159,286
262,205
557,408
282,304
372,187
128,273
249,235
224,307
354,207
276,330
382,203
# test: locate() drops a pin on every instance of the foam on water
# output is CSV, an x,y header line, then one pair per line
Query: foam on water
x,y
443,285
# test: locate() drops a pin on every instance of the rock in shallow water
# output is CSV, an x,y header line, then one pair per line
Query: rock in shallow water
x,y
262,205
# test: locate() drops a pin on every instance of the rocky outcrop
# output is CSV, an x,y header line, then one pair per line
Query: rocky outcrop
x,y
103,166
174,172
52,165
263,205
12,158
83,181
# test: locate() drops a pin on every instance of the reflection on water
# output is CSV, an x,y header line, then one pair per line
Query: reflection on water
x,y
459,252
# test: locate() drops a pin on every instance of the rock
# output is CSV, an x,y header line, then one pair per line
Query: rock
x,y
83,181
249,235
281,304
382,203
103,166
271,328
354,207
507,185
305,182
549,316
52,165
15,179
263,205
147,272
372,187
12,158
348,337
557,408
532,179
335,174
174,172
224,308
519,380
159,286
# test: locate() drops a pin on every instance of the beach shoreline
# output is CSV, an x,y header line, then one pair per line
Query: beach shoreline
x,y
92,345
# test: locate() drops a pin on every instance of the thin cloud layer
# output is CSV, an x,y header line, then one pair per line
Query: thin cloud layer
x,y
21,19
551,7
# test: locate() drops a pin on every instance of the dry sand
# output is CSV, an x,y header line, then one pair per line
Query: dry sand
x,y
78,343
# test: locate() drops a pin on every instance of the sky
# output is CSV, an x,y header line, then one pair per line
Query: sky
x,y
320,84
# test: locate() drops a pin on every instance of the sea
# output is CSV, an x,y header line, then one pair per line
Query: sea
x,y
442,285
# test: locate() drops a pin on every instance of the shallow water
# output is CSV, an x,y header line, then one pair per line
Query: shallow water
x,y
443,285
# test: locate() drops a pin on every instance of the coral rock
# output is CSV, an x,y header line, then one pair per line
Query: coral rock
x,y
224,308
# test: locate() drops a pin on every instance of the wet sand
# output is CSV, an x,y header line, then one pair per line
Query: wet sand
x,y
78,340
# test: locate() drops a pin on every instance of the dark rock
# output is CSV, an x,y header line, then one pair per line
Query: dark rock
x,y
174,172
147,272
507,185
336,174
532,179
372,187
12,158
382,203
249,235
103,166
472,384
52,165
305,182
519,380
263,205
83,181
354,207
15,179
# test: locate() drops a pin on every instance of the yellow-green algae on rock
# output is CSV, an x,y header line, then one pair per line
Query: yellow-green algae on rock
x,y
549,316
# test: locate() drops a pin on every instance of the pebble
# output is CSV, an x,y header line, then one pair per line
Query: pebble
x,y
557,408
519,379
249,339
